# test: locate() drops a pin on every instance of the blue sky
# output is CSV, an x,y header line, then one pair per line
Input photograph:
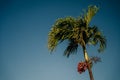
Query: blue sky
x,y
24,27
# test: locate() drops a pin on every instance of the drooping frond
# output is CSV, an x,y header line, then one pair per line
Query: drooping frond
x,y
61,30
71,48
102,43
97,38
92,10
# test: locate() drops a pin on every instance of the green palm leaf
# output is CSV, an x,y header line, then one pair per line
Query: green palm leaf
x,y
97,38
71,48
61,30
92,10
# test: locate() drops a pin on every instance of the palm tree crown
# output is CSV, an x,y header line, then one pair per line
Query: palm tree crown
x,y
77,31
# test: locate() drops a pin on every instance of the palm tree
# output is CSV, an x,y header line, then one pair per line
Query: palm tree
x,y
78,32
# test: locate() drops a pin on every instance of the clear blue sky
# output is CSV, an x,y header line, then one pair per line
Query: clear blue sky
x,y
24,27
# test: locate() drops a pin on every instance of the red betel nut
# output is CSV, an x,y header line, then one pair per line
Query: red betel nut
x,y
82,66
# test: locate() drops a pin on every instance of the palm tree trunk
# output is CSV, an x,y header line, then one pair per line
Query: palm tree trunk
x,y
88,64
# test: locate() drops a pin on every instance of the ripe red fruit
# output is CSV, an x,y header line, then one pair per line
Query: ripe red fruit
x,y
82,66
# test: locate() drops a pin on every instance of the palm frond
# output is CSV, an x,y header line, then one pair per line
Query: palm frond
x,y
71,48
97,38
61,30
102,43
92,10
